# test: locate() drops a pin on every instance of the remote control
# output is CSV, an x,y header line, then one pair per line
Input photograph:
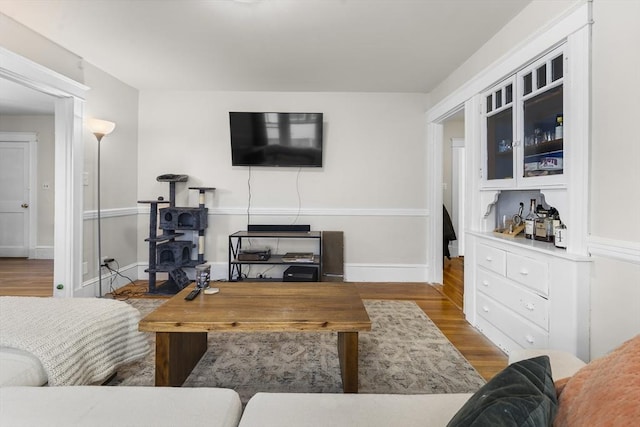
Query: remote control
x,y
194,293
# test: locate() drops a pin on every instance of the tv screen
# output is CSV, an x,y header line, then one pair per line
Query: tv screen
x,y
276,139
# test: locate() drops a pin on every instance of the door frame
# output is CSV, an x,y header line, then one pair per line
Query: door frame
x,y
69,155
458,184
31,139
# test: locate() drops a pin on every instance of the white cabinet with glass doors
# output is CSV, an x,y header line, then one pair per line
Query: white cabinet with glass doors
x,y
523,127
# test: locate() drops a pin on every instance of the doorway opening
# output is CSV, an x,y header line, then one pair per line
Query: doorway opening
x,y
453,200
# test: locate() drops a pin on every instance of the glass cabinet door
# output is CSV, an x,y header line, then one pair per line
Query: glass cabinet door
x,y
542,117
499,113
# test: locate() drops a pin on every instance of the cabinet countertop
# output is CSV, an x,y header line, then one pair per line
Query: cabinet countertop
x,y
534,245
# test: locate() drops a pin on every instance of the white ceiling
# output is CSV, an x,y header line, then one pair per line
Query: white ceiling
x,y
270,45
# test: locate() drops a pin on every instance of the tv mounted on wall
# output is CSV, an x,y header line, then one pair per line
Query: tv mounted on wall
x,y
276,139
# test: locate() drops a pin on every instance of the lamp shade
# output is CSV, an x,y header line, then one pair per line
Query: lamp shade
x,y
100,127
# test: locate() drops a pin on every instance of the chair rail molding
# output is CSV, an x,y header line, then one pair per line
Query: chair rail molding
x,y
620,250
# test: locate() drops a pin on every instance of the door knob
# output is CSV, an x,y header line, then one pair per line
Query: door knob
x,y
24,205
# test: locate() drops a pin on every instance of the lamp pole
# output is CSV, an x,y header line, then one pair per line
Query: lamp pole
x,y
100,128
99,137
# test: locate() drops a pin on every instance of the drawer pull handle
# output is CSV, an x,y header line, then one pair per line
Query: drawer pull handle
x,y
530,339
485,309
485,283
489,259
530,306
524,272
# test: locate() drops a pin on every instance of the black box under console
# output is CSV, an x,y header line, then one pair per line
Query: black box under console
x,y
300,273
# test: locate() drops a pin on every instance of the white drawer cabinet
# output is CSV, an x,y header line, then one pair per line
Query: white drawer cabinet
x,y
529,272
527,295
529,305
492,259
516,327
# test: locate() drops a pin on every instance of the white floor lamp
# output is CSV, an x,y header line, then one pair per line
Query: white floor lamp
x,y
100,128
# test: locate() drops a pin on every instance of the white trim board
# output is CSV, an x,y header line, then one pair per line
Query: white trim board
x,y
615,249
144,210
112,213
89,288
401,273
43,252
242,211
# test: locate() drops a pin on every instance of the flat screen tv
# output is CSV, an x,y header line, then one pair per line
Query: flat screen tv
x,y
276,139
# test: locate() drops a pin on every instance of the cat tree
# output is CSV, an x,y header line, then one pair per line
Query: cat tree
x,y
168,254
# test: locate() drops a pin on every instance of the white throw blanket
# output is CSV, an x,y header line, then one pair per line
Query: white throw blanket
x,y
78,340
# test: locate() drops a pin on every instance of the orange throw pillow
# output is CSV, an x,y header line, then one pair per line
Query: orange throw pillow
x,y
606,392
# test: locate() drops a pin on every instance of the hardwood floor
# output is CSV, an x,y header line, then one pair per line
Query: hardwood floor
x,y
26,277
453,280
22,277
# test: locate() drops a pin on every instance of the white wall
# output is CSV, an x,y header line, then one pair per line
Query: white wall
x,y
615,174
372,184
25,42
110,99
42,125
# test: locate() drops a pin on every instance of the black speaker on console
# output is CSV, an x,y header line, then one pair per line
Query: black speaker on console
x,y
279,227
332,256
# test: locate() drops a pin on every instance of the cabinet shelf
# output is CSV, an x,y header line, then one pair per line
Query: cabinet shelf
x,y
236,244
554,145
278,259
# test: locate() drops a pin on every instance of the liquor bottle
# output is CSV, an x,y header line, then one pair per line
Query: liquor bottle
x,y
540,227
530,220
559,126
561,237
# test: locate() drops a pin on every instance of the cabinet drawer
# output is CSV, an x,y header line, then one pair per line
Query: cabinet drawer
x,y
511,324
529,305
492,259
529,272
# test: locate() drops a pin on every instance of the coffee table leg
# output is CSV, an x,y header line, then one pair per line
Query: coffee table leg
x,y
348,356
177,353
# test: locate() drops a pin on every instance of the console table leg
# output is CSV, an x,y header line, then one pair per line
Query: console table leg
x,y
176,356
348,356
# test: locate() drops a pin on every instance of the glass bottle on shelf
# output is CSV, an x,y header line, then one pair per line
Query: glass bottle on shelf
x,y
540,227
530,221
559,128
560,239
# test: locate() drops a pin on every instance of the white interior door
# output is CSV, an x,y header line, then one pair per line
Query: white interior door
x,y
14,199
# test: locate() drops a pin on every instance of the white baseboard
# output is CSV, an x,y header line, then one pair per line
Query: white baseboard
x,y
386,272
353,272
43,252
110,280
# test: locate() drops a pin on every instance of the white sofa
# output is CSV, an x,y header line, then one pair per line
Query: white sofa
x,y
102,406
142,406
372,410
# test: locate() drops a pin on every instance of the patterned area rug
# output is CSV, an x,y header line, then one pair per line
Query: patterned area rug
x,y
404,353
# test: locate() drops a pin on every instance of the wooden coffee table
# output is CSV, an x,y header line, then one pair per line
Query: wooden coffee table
x,y
181,326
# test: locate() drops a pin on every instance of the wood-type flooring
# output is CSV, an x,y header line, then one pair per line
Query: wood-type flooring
x,y
442,303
